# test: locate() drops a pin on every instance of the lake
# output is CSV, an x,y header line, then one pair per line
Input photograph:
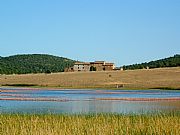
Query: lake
x,y
41,101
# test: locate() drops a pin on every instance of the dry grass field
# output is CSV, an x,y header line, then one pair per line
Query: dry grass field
x,y
102,124
131,79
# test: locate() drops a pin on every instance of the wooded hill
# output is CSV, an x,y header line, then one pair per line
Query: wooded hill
x,y
167,62
33,63
43,63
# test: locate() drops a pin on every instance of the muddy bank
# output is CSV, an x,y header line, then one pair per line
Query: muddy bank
x,y
105,99
140,99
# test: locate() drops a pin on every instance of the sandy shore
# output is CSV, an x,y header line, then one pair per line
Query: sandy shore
x,y
16,98
35,99
141,99
17,94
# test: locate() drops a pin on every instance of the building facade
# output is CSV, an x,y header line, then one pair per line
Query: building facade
x,y
80,66
88,66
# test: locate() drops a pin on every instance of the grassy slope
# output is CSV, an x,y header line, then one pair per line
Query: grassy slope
x,y
104,124
137,79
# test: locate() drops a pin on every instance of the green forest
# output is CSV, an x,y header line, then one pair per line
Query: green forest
x,y
43,63
33,63
167,62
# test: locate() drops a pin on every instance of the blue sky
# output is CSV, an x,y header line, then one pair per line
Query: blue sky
x,y
121,31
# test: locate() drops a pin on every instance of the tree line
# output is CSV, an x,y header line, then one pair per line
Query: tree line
x,y
167,62
33,63
43,63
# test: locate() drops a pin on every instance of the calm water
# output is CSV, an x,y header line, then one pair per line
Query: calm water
x,y
16,100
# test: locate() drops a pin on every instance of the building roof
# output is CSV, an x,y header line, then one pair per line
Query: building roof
x,y
109,64
82,63
99,62
96,62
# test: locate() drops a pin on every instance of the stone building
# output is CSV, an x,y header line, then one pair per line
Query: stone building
x,y
81,66
102,65
86,66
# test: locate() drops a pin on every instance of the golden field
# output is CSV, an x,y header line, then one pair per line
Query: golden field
x,y
101,124
131,79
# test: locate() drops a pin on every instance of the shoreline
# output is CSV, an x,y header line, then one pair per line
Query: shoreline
x,y
14,94
81,88
96,99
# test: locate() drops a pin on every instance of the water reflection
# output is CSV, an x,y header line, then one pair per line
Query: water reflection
x,y
85,101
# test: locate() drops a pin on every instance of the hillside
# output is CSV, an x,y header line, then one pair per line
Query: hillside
x,y
33,63
167,62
